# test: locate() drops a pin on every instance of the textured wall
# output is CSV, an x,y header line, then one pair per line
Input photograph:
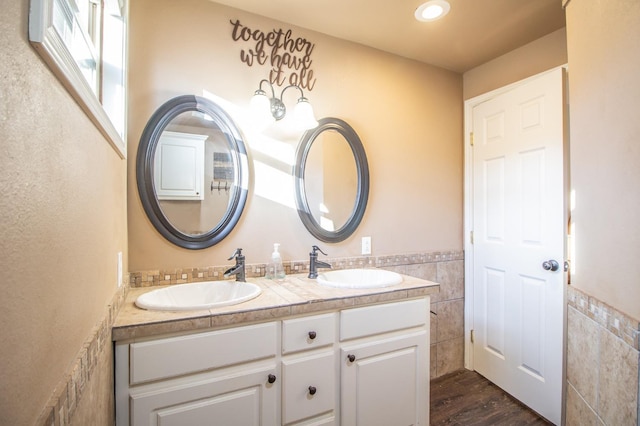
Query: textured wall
x,y
604,97
604,308
63,220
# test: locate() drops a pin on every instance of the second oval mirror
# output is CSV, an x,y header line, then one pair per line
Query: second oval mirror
x,y
331,180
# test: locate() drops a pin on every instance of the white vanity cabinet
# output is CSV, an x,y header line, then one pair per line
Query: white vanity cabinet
x,y
362,366
226,377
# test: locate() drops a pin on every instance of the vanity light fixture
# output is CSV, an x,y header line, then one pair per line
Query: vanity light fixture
x,y
432,10
270,109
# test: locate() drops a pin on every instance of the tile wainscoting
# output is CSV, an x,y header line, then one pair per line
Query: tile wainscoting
x,y
603,359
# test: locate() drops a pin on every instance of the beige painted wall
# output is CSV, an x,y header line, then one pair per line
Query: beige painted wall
x,y
408,115
63,219
540,55
602,39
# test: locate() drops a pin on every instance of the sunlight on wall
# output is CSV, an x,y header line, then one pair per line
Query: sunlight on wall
x,y
571,238
273,153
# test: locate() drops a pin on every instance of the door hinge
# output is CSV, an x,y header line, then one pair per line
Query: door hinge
x,y
471,237
471,138
472,337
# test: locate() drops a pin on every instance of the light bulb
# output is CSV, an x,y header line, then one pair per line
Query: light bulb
x,y
432,10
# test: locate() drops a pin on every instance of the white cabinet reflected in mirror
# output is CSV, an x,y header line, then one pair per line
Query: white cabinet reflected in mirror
x,y
179,166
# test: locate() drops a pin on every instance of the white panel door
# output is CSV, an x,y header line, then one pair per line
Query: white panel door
x,y
518,224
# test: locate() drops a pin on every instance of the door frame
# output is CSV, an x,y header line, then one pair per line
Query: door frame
x,y
469,105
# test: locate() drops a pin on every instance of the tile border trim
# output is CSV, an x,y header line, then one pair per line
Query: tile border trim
x,y
616,322
256,270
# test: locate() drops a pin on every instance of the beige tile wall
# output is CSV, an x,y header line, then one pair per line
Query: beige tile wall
x,y
447,311
603,359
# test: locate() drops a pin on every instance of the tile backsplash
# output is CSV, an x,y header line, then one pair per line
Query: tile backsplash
x,y
254,270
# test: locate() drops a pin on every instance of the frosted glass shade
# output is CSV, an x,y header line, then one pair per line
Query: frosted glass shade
x,y
260,106
303,114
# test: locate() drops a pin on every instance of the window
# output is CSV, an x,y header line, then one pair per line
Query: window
x,y
84,43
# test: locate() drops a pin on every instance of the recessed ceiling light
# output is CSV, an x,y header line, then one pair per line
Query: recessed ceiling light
x,y
432,10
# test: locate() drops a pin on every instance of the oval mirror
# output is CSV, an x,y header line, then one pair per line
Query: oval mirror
x,y
192,172
331,180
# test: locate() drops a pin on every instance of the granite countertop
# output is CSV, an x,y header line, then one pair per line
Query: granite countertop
x,y
297,295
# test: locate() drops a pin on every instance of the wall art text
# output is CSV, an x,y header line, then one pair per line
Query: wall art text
x,y
289,57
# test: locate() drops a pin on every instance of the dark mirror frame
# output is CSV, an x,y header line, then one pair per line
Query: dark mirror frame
x,y
362,169
145,164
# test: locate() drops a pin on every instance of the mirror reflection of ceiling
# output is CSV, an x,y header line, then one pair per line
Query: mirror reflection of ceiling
x,y
474,31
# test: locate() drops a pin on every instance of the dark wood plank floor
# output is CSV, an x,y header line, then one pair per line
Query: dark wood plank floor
x,y
466,398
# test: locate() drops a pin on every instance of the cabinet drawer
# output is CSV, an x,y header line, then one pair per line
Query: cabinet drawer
x,y
299,374
361,322
164,358
308,333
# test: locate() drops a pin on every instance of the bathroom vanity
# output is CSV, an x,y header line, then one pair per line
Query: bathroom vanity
x,y
299,354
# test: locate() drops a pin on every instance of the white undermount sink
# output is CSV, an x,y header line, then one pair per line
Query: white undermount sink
x,y
359,278
195,296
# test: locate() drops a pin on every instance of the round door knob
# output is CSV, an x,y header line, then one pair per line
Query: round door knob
x,y
550,265
312,390
351,358
312,335
271,378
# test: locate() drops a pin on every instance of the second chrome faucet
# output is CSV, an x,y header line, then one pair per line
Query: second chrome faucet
x,y
314,263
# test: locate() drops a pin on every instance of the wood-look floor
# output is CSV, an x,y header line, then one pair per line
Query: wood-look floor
x,y
466,398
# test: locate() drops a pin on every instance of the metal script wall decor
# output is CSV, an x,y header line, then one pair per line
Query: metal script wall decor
x,y
288,57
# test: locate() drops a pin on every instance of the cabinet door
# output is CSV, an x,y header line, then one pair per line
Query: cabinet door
x,y
387,383
243,398
179,166
308,386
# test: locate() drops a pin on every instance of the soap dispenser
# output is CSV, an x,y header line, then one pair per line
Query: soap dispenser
x,y
275,269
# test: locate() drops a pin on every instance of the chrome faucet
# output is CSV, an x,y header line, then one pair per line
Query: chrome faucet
x,y
238,268
314,263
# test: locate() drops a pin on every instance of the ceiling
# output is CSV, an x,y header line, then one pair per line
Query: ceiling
x,y
474,31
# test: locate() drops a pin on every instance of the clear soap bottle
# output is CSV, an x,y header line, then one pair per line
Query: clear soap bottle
x,y
275,269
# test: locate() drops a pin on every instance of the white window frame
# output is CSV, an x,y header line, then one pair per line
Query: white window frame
x,y
108,112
